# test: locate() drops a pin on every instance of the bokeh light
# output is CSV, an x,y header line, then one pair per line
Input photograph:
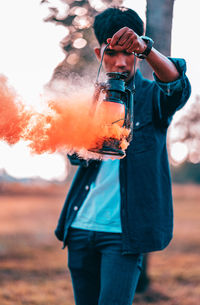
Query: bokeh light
x,y
98,5
73,59
80,11
79,43
82,22
179,152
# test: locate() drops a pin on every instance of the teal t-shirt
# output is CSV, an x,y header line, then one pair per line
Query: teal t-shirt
x,y
101,209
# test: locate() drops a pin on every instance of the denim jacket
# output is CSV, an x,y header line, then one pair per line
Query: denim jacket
x,y
145,182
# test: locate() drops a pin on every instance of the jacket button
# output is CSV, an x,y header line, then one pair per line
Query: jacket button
x,y
87,187
75,208
137,123
123,190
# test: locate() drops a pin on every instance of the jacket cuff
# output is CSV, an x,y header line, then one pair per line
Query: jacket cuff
x,y
177,85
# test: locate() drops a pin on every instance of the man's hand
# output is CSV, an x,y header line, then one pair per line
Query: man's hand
x,y
126,40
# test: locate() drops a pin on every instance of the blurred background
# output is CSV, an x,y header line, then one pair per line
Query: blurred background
x,y
45,41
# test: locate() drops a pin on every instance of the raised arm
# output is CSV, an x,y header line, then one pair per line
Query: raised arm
x,y
127,40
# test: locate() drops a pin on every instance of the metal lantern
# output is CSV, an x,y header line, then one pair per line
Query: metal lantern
x,y
116,107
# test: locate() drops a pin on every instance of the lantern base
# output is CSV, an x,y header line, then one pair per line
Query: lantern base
x,y
111,148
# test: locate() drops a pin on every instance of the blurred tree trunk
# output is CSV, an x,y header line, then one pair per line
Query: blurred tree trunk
x,y
159,14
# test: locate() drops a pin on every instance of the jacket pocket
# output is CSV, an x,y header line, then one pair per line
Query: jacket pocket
x,y
143,136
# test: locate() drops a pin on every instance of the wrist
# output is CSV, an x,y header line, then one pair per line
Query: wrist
x,y
147,48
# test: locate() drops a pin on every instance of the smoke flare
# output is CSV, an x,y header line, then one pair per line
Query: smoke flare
x,y
65,124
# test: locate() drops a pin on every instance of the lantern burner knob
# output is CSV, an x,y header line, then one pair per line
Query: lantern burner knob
x,y
117,75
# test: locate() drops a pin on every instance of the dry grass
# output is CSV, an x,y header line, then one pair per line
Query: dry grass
x,y
33,268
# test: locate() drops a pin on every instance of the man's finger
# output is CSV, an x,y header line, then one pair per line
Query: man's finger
x,y
117,48
128,43
117,36
126,36
133,47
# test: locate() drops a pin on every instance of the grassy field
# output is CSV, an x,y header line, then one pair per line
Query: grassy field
x,y
33,268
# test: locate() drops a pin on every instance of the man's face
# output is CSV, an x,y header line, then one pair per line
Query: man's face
x,y
115,61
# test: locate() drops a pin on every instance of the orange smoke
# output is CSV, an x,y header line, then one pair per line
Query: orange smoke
x,y
66,123
14,118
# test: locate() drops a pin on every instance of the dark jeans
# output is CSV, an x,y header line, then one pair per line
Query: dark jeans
x,y
101,275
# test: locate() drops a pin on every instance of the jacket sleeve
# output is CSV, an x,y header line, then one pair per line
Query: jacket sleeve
x,y
170,97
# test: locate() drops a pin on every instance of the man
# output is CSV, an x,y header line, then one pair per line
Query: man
x,y
117,210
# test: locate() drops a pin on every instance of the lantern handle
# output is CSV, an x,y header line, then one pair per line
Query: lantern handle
x,y
101,63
